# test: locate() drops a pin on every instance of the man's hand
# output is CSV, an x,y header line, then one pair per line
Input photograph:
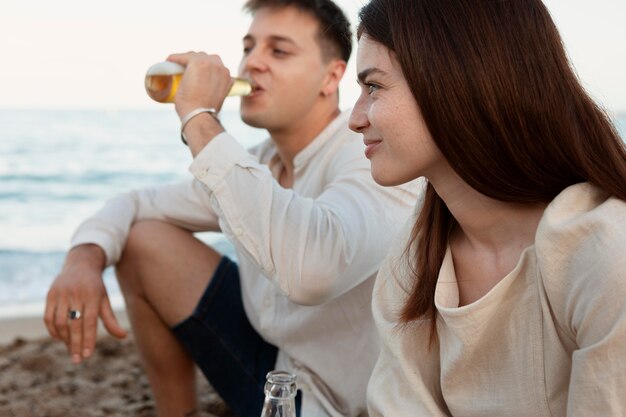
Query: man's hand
x,y
80,287
205,83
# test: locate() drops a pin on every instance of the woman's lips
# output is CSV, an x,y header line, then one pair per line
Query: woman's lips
x,y
370,147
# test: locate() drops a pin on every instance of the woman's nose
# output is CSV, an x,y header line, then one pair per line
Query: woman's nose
x,y
358,118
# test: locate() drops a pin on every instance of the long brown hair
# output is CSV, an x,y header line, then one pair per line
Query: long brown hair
x,y
503,105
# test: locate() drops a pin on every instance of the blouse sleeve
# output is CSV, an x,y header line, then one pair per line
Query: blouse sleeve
x,y
584,268
596,309
406,379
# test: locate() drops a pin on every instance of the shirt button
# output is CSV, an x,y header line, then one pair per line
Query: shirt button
x,y
238,231
202,174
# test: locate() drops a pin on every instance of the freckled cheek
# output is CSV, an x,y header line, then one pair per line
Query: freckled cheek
x,y
380,117
389,127
389,112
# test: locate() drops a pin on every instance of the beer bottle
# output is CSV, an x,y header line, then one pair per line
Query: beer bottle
x,y
280,394
163,78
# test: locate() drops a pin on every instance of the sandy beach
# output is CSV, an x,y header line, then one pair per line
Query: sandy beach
x,y
37,378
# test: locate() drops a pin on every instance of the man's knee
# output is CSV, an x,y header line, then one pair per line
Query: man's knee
x,y
167,266
163,252
146,246
148,238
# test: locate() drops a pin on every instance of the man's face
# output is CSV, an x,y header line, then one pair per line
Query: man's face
x,y
282,58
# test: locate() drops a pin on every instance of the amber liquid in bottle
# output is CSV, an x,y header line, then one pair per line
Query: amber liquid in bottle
x,y
163,79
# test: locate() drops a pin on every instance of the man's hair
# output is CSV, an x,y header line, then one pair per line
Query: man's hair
x,y
335,35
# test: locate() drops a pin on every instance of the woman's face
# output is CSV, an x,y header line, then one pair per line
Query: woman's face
x,y
397,141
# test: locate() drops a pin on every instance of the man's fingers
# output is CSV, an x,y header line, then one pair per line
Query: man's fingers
x,y
78,286
182,59
90,330
190,57
76,333
48,318
60,320
110,321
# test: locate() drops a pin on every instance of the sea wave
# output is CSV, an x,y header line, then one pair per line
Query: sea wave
x,y
58,167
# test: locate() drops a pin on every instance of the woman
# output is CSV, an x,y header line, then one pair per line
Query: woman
x,y
508,299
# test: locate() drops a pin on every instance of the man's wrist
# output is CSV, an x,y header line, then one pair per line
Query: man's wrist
x,y
187,117
199,130
87,253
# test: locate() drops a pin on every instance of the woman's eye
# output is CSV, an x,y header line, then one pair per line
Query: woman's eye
x,y
279,52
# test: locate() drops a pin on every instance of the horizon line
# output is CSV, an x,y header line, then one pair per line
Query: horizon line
x,y
613,114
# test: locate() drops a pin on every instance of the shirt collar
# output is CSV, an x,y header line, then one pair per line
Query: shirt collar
x,y
305,155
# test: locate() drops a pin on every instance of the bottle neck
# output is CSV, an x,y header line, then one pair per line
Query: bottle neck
x,y
280,394
280,385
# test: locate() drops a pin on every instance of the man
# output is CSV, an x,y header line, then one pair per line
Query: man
x,y
309,225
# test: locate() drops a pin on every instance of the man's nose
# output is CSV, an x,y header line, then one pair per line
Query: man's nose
x,y
253,61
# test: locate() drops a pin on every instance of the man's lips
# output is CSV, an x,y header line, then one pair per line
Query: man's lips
x,y
370,146
256,89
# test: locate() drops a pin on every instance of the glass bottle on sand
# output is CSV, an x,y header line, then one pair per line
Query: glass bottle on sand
x,y
163,78
280,395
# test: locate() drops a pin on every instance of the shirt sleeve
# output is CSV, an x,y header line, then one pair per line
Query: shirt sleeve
x,y
585,267
597,314
314,249
185,204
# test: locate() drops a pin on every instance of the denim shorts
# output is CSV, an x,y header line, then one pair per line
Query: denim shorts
x,y
232,355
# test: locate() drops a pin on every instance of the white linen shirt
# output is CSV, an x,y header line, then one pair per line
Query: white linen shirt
x,y
549,340
307,255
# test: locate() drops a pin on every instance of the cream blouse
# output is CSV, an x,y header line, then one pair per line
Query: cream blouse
x,y
547,340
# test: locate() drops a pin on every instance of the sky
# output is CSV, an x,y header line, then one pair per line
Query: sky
x,y
83,54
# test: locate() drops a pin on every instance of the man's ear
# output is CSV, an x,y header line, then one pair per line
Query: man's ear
x,y
335,70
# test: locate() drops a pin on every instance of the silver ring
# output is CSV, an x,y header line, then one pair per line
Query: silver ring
x,y
74,314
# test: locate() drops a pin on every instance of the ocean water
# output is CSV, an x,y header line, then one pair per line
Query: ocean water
x,y
58,166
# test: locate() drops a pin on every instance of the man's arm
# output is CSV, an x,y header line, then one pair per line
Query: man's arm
x,y
185,204
98,243
313,249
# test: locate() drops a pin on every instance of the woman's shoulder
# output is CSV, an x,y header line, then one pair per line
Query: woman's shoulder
x,y
583,225
580,246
